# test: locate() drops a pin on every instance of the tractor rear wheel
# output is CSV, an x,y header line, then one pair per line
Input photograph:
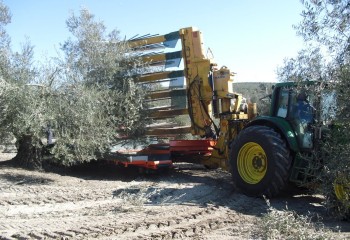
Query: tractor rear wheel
x,y
260,161
342,191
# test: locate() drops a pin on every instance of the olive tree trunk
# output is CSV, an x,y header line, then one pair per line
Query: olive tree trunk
x,y
29,153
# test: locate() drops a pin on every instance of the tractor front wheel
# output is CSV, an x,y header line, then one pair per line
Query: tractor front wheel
x,y
260,161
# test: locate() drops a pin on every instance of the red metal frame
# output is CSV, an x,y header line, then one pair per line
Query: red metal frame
x,y
148,164
155,155
192,146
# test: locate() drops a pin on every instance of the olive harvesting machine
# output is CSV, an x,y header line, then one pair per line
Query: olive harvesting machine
x,y
263,153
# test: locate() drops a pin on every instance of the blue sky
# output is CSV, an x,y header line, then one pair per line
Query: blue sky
x,y
251,37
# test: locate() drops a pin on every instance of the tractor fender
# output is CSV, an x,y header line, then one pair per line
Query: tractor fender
x,y
281,126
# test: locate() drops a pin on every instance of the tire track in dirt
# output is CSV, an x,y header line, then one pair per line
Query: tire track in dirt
x,y
27,195
190,222
49,206
76,205
189,203
20,188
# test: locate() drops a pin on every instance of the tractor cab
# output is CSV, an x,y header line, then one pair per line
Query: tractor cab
x,y
296,106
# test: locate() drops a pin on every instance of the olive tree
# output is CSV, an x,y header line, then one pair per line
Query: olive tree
x,y
309,64
86,99
325,28
18,101
102,103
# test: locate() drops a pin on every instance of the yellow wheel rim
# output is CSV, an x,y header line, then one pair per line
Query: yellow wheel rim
x,y
342,190
252,163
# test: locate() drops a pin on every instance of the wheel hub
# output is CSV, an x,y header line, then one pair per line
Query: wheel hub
x,y
257,162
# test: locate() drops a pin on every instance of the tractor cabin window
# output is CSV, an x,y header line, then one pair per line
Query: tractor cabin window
x,y
296,106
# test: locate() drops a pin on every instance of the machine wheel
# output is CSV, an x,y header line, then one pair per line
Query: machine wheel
x,y
260,161
342,191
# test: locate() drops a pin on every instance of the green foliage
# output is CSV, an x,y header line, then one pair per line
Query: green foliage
x,y
98,102
336,170
82,124
256,92
308,65
88,98
326,22
21,104
93,56
325,28
23,109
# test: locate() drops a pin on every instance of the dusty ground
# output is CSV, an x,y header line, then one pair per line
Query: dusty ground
x,y
115,203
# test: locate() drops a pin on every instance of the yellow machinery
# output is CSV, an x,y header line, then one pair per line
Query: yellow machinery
x,y
263,153
208,91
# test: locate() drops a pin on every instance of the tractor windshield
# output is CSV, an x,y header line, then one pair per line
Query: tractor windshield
x,y
297,107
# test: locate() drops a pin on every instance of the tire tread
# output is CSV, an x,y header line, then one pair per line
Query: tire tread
x,y
279,177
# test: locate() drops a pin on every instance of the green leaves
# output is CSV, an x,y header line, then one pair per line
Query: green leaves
x,y
98,102
326,25
88,98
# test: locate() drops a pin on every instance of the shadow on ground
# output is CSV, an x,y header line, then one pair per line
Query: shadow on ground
x,y
21,179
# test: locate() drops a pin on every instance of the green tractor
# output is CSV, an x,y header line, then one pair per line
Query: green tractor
x,y
282,147
263,153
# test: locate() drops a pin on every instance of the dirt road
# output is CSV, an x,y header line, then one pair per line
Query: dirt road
x,y
116,203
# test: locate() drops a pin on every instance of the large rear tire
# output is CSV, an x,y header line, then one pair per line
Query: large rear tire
x,y
342,193
260,161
